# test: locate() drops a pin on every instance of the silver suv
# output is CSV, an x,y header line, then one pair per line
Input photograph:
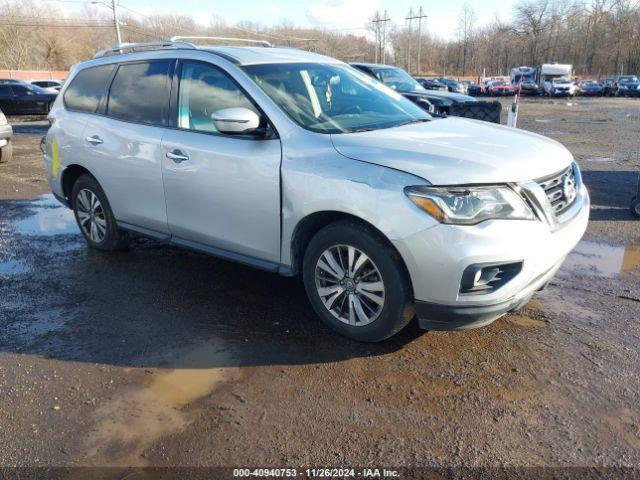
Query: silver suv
x,y
296,163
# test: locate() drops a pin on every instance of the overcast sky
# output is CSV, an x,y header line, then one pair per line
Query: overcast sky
x,y
338,14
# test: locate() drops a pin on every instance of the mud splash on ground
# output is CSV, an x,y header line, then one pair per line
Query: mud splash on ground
x,y
160,405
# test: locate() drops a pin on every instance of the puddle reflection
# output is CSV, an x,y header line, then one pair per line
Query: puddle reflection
x,y
603,260
49,218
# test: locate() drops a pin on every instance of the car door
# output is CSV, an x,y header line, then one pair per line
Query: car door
x,y
222,191
123,144
7,99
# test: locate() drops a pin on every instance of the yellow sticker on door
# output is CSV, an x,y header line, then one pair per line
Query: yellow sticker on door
x,y
55,159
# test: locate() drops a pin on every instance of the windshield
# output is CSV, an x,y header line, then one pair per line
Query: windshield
x,y
333,98
499,84
589,83
630,79
560,80
399,80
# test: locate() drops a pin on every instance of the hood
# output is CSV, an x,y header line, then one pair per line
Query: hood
x,y
457,151
456,97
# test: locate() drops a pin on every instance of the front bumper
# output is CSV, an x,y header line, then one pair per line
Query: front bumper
x,y
436,259
6,132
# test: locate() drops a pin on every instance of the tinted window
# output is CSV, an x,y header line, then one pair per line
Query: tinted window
x,y
5,90
140,92
205,89
87,88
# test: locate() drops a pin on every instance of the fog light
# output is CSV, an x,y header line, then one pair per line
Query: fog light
x,y
483,278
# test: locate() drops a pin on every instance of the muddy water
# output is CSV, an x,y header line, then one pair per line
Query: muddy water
x,y
158,405
604,260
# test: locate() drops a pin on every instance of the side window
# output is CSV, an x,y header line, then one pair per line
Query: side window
x,y
87,88
140,92
19,89
6,91
205,89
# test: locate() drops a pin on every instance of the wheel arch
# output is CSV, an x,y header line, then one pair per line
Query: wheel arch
x,y
69,177
308,226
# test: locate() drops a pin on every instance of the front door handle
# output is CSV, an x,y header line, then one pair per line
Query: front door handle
x,y
94,140
177,156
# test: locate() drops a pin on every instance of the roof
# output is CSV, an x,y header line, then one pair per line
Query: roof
x,y
256,55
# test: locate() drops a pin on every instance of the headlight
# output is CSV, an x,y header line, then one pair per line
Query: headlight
x,y
470,205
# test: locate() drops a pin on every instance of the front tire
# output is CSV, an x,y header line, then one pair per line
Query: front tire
x,y
356,282
6,152
94,216
635,206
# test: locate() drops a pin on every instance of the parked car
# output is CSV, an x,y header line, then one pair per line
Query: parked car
x,y
296,163
23,98
473,88
453,85
499,89
627,86
560,87
609,86
431,84
6,133
434,101
590,88
53,86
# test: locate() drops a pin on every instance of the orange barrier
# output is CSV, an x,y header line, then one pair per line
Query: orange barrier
x,y
34,74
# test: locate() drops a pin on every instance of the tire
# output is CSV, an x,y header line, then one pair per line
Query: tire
x,y
635,206
395,310
108,237
6,152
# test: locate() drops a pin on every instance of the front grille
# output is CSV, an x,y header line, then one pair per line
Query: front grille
x,y
557,187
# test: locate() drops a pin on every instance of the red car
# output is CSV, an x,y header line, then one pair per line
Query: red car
x,y
496,89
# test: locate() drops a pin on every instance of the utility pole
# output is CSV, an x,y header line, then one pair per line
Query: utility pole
x,y
418,17
115,21
409,19
381,35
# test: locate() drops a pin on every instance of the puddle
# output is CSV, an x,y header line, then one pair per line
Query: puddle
x,y
12,267
543,120
599,159
49,218
136,418
35,328
603,260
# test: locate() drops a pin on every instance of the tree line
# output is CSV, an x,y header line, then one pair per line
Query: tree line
x,y
599,37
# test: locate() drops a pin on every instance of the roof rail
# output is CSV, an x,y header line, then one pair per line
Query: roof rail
x,y
132,47
263,43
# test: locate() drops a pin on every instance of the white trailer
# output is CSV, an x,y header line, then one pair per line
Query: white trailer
x,y
548,71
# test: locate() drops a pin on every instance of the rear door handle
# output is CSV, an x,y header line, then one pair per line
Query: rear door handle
x,y
94,140
177,156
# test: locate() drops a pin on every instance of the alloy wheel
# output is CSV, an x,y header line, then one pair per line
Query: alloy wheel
x,y
350,285
91,215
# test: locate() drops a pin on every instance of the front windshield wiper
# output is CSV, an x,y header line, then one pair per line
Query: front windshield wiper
x,y
415,120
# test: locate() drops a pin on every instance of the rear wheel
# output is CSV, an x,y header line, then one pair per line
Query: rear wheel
x,y
6,152
357,283
94,216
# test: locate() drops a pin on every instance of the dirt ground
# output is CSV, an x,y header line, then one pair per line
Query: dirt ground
x,y
163,357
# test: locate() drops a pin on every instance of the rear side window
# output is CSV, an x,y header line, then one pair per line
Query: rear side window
x,y
87,88
140,92
5,90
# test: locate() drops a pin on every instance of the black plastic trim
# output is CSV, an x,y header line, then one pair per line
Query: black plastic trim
x,y
434,316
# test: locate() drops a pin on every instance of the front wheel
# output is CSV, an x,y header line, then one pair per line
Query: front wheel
x,y
357,283
635,206
6,152
94,216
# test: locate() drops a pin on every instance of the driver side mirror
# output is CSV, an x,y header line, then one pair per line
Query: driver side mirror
x,y
235,121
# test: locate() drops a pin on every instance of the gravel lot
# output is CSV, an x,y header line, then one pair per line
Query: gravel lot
x,y
159,356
